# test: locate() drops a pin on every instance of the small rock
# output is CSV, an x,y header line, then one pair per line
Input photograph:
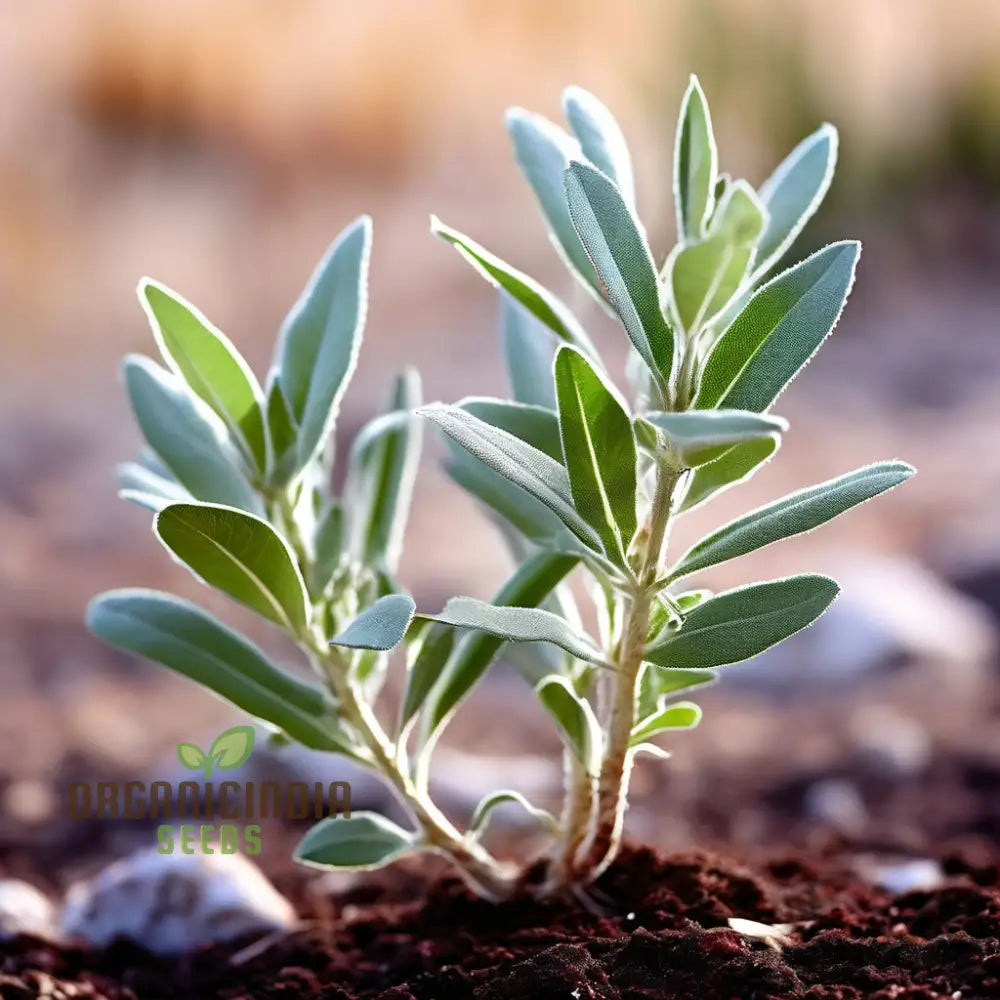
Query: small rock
x,y
890,744
837,803
173,903
24,910
899,877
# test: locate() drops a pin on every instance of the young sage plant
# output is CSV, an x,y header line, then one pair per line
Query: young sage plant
x,y
580,475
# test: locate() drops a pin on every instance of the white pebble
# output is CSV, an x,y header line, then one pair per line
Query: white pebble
x,y
24,910
906,876
173,903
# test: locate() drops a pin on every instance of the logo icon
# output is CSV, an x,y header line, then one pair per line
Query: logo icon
x,y
228,751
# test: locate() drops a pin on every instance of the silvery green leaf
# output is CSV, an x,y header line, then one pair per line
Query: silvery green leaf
x,y
741,623
575,718
543,152
600,138
778,331
617,248
658,686
193,643
281,434
382,626
518,624
695,164
211,366
535,425
241,555
186,436
433,652
528,346
319,340
539,301
599,446
328,546
362,841
705,274
793,192
682,715
380,478
147,488
735,467
792,515
484,812
702,436
527,587
530,469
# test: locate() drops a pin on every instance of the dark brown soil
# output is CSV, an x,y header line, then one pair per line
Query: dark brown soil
x,y
665,935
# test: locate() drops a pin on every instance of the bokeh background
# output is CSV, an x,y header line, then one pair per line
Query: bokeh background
x,y
220,146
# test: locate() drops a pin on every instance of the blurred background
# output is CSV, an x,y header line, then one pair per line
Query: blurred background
x,y
219,148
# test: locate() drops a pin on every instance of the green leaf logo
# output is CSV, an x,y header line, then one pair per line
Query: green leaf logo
x,y
228,751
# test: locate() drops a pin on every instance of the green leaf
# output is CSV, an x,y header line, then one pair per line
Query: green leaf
x,y
792,515
360,842
329,547
778,331
206,359
530,469
741,623
436,645
281,433
793,192
232,747
543,152
527,587
683,715
599,446
540,302
575,718
382,626
191,642
239,554
702,436
535,425
380,478
528,346
190,756
517,624
184,437
695,164
618,250
735,467
484,812
600,138
706,274
148,488
320,338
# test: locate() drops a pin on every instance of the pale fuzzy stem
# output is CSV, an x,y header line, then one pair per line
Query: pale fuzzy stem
x,y
576,819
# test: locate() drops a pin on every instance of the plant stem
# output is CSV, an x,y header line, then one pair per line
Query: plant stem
x,y
574,823
613,783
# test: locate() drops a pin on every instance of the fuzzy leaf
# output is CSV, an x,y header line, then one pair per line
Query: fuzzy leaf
x,y
575,718
191,642
706,274
527,587
599,446
600,138
281,432
530,469
360,842
682,715
702,436
778,331
329,547
616,245
241,555
436,645
534,425
543,152
792,515
320,338
735,467
382,626
540,302
793,192
184,437
484,812
528,346
212,367
380,478
148,488
695,164
741,623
